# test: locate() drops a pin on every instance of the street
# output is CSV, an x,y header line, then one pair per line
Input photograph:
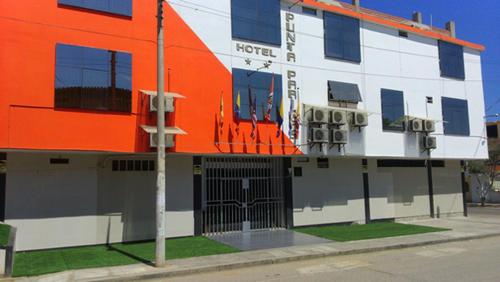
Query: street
x,y
475,260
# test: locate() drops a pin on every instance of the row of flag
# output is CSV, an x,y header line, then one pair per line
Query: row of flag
x,y
293,115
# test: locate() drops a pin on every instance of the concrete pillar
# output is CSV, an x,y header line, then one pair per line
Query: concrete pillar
x,y
417,17
356,4
450,26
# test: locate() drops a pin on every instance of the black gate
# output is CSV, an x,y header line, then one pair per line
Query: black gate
x,y
242,194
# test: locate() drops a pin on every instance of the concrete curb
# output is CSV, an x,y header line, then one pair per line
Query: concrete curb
x,y
267,261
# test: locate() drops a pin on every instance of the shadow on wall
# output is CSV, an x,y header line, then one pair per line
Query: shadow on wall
x,y
399,185
119,205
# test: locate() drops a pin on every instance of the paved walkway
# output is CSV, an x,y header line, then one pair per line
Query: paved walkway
x,y
260,240
477,226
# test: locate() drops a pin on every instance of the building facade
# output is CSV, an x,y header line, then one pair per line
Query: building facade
x,y
279,114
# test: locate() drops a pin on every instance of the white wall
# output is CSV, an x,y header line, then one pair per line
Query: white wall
x,y
448,197
332,195
408,64
397,192
51,205
85,203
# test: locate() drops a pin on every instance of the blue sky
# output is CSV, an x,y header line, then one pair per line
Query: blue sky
x,y
476,20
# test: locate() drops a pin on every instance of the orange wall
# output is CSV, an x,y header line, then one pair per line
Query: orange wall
x,y
29,31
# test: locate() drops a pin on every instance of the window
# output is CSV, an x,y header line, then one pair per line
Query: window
x,y
455,116
492,131
393,110
133,165
119,7
95,79
342,37
260,84
343,92
257,20
451,60
309,11
403,33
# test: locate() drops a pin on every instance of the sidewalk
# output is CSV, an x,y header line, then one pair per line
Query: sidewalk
x,y
474,227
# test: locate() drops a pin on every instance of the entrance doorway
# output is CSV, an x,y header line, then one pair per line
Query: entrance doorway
x,y
242,194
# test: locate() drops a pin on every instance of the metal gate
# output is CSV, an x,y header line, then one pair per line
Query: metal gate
x,y
242,194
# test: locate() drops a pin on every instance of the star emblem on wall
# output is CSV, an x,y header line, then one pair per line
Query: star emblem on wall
x,y
248,61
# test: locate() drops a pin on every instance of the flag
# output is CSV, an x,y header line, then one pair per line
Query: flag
x,y
237,109
253,112
296,125
221,120
279,118
270,98
290,118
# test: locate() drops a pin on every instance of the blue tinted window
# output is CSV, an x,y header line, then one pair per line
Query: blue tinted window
x,y
455,116
120,7
89,78
260,84
393,110
342,37
256,20
451,60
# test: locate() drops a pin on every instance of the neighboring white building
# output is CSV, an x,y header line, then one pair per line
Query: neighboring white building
x,y
83,177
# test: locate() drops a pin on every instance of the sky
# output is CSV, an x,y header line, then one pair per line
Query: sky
x,y
476,21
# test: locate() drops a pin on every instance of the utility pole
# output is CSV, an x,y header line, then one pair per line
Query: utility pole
x,y
160,178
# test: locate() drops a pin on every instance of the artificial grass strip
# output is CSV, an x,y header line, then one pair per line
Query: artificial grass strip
x,y
4,234
346,233
56,260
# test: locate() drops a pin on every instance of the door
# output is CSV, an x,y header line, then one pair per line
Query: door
x,y
242,194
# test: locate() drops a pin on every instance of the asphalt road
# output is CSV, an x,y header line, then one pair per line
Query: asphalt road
x,y
476,260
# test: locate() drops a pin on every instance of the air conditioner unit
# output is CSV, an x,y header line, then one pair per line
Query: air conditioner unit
x,y
430,142
338,136
319,135
319,115
359,119
338,117
169,104
153,140
416,125
429,125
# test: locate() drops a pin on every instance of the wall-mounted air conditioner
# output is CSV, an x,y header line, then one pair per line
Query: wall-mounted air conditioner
x,y
319,135
153,140
359,119
429,125
338,136
169,104
430,143
338,117
170,132
318,115
415,125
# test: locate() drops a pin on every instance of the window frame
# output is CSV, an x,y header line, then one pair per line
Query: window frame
x,y
392,92
451,131
344,31
75,65
261,92
67,3
254,31
445,49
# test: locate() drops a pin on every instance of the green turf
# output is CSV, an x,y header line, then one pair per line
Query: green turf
x,y
345,233
49,261
4,234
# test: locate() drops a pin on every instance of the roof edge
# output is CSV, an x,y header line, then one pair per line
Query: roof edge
x,y
370,18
